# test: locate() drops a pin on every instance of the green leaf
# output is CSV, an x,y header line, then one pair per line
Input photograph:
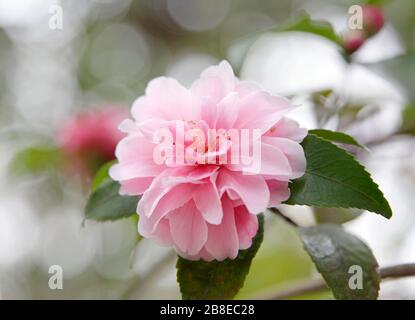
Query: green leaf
x,y
334,136
321,28
105,203
333,178
201,280
102,175
35,160
341,258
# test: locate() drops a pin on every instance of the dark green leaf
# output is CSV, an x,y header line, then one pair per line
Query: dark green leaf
x,y
321,28
35,159
102,175
334,136
341,258
217,280
333,178
105,203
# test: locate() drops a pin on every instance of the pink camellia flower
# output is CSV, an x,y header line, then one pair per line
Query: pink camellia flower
x,y
207,209
90,138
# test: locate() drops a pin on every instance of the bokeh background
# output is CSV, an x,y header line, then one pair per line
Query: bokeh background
x,y
106,53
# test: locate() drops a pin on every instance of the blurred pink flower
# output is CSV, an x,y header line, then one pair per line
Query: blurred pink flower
x,y
91,137
373,19
207,210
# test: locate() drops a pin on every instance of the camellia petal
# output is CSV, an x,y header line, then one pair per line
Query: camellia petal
x,y
188,228
223,240
247,226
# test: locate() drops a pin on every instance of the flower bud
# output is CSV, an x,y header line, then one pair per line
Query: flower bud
x,y
373,19
353,40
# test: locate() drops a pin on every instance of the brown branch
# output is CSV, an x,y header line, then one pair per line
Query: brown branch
x,y
315,285
386,139
398,271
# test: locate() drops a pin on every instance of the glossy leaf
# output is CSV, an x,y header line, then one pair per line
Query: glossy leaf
x,y
105,202
333,178
335,136
102,175
346,263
